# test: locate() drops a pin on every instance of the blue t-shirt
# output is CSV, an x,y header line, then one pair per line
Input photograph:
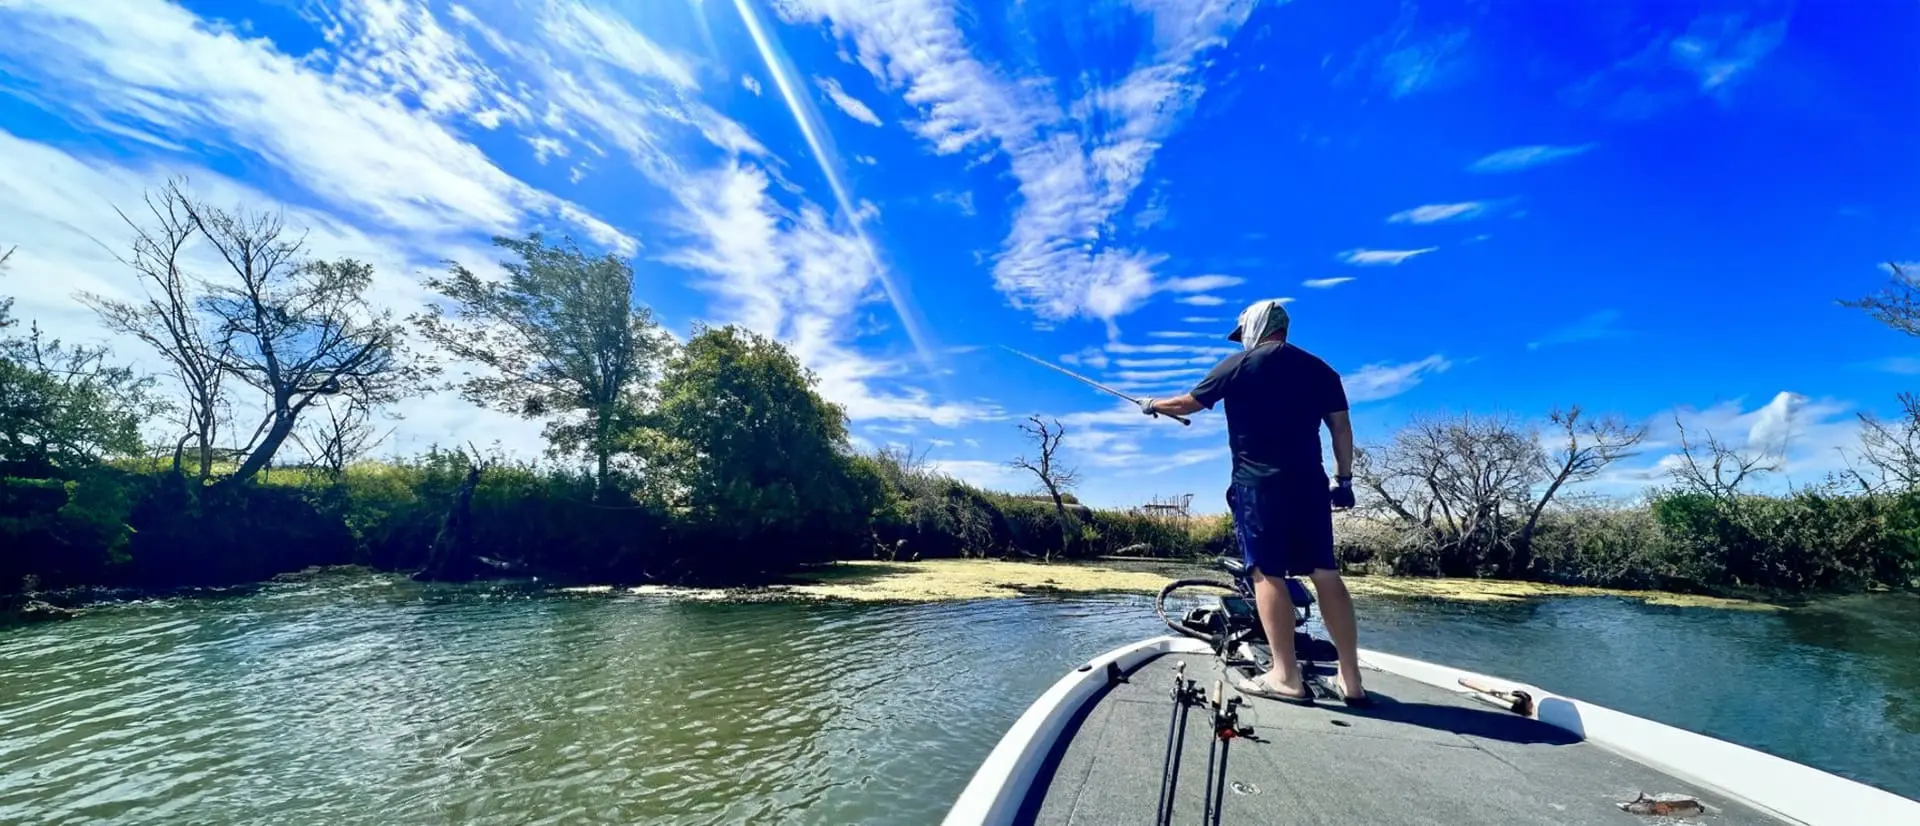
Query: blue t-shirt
x,y
1277,395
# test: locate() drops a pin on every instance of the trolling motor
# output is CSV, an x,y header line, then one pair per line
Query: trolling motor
x,y
1232,625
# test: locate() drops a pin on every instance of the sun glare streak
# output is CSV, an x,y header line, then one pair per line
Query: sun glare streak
x,y
808,119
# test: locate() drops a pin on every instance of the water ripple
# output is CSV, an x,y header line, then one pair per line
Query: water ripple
x,y
377,700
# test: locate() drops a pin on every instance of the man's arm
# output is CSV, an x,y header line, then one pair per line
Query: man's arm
x,y
1179,405
1204,396
1342,429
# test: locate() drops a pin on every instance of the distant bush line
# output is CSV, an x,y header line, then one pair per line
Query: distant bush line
x,y
115,527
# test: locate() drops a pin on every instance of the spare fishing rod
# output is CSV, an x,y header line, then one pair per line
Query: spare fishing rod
x,y
1184,697
1089,382
1226,727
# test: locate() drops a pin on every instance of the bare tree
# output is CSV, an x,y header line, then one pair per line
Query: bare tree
x,y
167,319
1721,472
1589,447
1054,479
1892,449
1462,480
338,433
1897,305
295,329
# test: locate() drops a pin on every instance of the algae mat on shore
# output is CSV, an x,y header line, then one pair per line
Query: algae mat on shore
x,y
952,579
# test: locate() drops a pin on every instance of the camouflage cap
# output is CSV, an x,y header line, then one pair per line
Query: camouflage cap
x,y
1259,320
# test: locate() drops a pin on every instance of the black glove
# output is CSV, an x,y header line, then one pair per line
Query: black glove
x,y
1343,494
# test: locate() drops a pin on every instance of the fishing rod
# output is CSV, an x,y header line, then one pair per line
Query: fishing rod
x,y
1089,382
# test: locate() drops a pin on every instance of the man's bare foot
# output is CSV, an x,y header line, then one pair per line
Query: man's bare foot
x,y
1351,691
1267,685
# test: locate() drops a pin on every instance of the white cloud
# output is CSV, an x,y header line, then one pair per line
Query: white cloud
x,y
1122,347
866,160
1381,381
1091,357
1189,457
585,68
1202,300
1422,65
1597,325
393,48
1898,365
1434,213
1368,258
847,103
1775,425
962,201
1186,361
1200,319
1203,283
1526,157
597,33
1160,375
1076,168
155,68
1126,416
748,83
1324,283
789,274
1720,49
546,148
984,474
1715,54
1808,438
1178,334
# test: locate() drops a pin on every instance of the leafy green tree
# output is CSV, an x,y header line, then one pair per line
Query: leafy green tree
x,y
559,338
752,452
61,406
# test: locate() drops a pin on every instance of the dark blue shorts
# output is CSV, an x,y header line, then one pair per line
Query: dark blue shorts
x,y
1284,529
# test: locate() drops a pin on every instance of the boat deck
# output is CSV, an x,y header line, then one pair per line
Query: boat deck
x,y
1418,755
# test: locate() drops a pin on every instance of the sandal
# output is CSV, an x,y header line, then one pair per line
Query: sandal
x,y
1259,687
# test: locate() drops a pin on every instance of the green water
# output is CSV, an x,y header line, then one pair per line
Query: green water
x,y
366,700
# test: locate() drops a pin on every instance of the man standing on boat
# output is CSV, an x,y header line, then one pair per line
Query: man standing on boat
x,y
1277,396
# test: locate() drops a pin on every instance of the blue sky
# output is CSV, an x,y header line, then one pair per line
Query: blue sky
x,y
1642,208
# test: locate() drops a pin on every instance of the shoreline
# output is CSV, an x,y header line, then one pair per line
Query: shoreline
x,y
930,581
946,580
